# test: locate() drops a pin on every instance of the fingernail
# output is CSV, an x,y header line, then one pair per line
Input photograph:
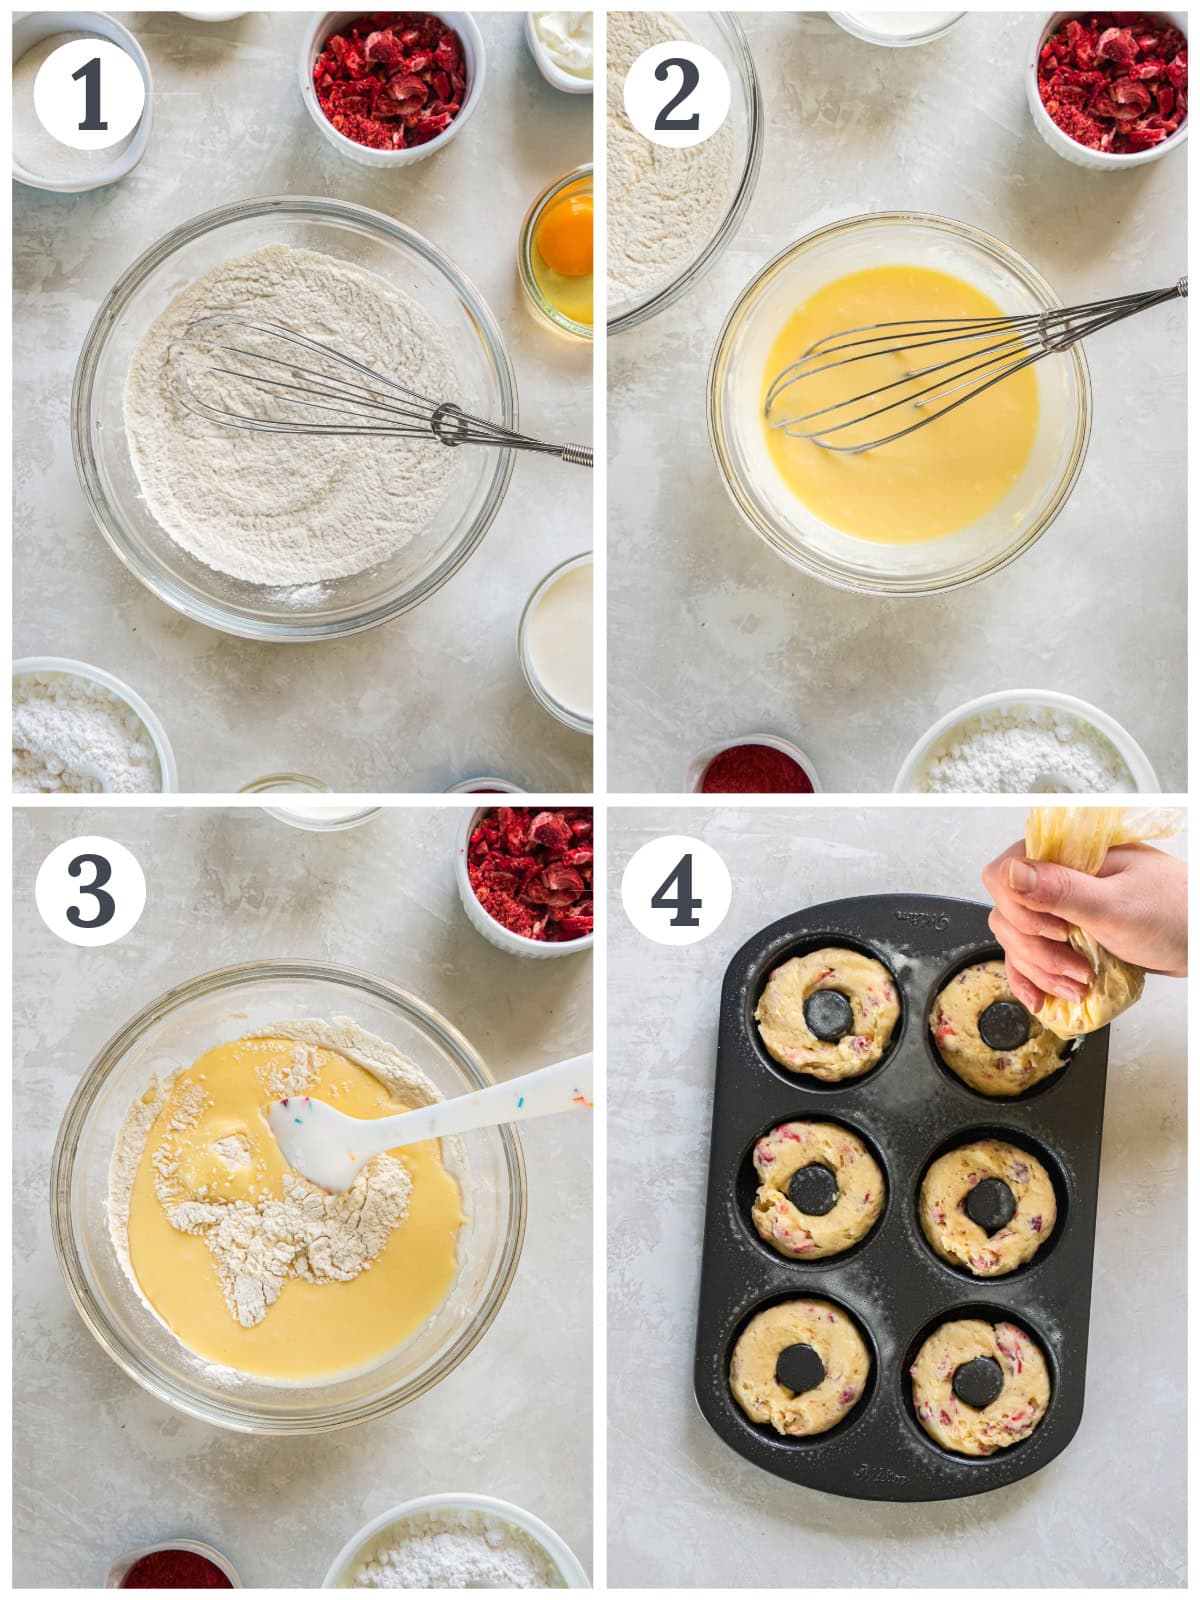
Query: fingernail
x,y
1022,878
1067,989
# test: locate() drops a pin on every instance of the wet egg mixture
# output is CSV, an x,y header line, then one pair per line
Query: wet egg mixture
x,y
939,479
253,1267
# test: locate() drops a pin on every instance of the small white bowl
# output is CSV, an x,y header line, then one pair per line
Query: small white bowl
x,y
1062,144
513,944
81,669
328,22
564,1558
549,69
693,782
120,1568
1135,758
850,22
29,29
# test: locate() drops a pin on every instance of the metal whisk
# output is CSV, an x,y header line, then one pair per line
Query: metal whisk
x,y
1018,343
267,379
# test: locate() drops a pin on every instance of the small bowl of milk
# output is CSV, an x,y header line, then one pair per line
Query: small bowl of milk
x,y
897,28
554,643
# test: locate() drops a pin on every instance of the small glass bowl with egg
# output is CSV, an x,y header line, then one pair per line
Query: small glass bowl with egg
x,y
554,258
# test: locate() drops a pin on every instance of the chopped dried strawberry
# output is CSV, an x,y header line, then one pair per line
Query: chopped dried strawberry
x,y
528,875
391,80
1116,80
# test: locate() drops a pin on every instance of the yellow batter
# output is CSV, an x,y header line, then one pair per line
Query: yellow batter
x,y
936,481
210,1145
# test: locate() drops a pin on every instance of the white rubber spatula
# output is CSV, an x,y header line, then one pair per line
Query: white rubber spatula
x,y
330,1149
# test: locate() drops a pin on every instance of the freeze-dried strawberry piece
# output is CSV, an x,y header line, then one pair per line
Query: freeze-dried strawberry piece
x,y
1177,71
532,889
1117,44
391,79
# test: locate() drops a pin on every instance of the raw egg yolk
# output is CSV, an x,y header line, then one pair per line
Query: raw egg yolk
x,y
564,236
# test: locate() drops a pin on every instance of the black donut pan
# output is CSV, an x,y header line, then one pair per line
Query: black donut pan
x,y
908,1108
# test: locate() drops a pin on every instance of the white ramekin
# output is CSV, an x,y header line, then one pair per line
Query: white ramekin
x,y
120,1567
564,1558
29,29
1061,143
513,944
699,764
327,22
549,69
850,22
82,669
1135,758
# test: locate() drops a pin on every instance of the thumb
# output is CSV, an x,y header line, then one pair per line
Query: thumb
x,y
1045,886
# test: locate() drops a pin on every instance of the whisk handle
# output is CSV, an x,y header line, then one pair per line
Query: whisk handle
x,y
577,455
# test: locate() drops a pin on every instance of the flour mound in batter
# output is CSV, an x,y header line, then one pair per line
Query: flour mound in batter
x,y
824,1329
274,510
1016,1411
957,1237
801,1235
663,205
784,1029
954,1023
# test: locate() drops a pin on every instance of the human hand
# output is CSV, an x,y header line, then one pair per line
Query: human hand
x,y
1136,907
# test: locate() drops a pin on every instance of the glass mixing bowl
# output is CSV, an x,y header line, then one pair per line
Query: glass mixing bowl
x,y
102,459
736,433
722,33
171,1033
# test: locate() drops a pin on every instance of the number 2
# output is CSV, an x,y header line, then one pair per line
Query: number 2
x,y
90,73
685,904
664,122
106,906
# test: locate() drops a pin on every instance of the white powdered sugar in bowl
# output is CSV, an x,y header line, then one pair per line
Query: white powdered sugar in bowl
x,y
288,511
79,732
467,1549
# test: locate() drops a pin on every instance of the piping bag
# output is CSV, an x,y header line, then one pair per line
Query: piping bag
x,y
1080,837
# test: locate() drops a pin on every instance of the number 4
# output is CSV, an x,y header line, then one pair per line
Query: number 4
x,y
685,904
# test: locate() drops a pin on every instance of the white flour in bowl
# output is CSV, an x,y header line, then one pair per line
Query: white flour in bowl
x,y
663,205
71,735
280,510
446,1548
1024,750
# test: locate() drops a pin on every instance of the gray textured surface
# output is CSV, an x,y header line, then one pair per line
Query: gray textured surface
x,y
713,636
101,1465
435,696
683,1509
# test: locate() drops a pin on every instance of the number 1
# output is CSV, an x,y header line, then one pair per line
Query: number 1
x,y
90,73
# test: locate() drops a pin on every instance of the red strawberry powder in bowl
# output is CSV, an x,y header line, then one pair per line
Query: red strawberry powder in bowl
x,y
389,88
525,877
1109,89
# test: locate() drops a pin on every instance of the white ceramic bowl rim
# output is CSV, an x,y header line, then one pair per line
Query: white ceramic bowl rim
x,y
1083,154
555,76
555,1546
150,719
44,24
1135,758
323,25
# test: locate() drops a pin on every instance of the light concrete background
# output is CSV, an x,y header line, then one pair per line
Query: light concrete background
x,y
711,635
434,696
686,1510
103,1467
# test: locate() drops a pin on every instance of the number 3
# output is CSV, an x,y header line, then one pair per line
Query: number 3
x,y
106,906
